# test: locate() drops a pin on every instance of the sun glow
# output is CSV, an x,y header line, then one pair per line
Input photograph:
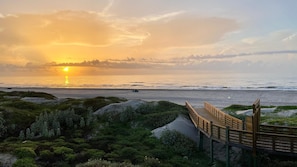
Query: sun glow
x,y
66,69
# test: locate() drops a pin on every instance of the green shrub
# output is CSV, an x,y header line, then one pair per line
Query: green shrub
x,y
94,153
281,108
64,153
25,162
128,152
104,163
3,127
160,153
151,162
146,108
128,115
156,120
25,152
62,150
31,94
19,104
178,142
99,102
46,155
69,157
237,107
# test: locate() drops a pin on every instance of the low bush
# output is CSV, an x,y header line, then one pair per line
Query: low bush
x,y
25,152
25,162
99,102
62,150
47,155
104,163
156,120
178,142
94,153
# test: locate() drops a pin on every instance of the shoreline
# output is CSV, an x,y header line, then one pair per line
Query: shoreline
x,y
220,98
147,89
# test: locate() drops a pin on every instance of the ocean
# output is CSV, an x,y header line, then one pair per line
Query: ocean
x,y
219,90
230,81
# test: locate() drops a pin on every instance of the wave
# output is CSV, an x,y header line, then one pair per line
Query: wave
x,y
152,82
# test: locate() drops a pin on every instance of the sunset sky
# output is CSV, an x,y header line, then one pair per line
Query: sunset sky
x,y
94,37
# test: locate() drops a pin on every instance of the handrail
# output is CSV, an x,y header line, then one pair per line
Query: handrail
x,y
266,140
228,120
199,121
277,142
289,130
276,135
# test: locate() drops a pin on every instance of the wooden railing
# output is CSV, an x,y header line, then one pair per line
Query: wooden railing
x,y
228,120
200,122
277,142
287,130
217,132
270,138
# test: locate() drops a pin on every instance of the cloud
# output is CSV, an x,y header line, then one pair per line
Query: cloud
x,y
290,37
128,63
78,35
61,27
108,7
227,56
186,30
167,16
250,40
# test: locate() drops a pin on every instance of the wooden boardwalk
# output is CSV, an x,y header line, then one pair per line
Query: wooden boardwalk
x,y
248,134
207,115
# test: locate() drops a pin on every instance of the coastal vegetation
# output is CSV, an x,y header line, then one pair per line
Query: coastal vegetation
x,y
273,115
66,132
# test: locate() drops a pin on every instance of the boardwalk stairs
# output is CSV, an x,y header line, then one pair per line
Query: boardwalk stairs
x,y
247,134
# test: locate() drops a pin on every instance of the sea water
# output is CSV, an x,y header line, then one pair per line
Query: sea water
x,y
231,81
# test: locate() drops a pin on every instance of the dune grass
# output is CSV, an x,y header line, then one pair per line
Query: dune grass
x,y
271,118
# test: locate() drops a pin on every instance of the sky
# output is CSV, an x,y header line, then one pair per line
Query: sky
x,y
92,37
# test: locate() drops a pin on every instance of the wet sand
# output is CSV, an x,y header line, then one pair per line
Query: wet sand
x,y
219,98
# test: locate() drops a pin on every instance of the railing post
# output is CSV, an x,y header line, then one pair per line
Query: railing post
x,y
243,124
225,120
211,144
273,143
254,128
200,140
292,146
227,147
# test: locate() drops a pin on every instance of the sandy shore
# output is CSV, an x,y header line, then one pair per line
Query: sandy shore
x,y
219,98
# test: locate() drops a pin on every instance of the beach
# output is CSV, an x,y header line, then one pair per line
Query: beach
x,y
219,98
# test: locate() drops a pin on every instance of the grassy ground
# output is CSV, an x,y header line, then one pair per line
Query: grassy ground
x,y
66,133
273,118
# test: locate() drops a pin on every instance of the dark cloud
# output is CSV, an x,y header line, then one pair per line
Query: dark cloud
x,y
128,63
224,56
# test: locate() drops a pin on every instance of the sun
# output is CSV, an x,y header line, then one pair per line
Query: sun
x,y
66,69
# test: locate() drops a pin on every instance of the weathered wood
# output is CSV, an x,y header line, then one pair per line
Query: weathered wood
x,y
255,126
288,130
227,147
248,123
199,121
273,139
228,120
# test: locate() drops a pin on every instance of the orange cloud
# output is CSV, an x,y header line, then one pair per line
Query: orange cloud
x,y
61,27
75,36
